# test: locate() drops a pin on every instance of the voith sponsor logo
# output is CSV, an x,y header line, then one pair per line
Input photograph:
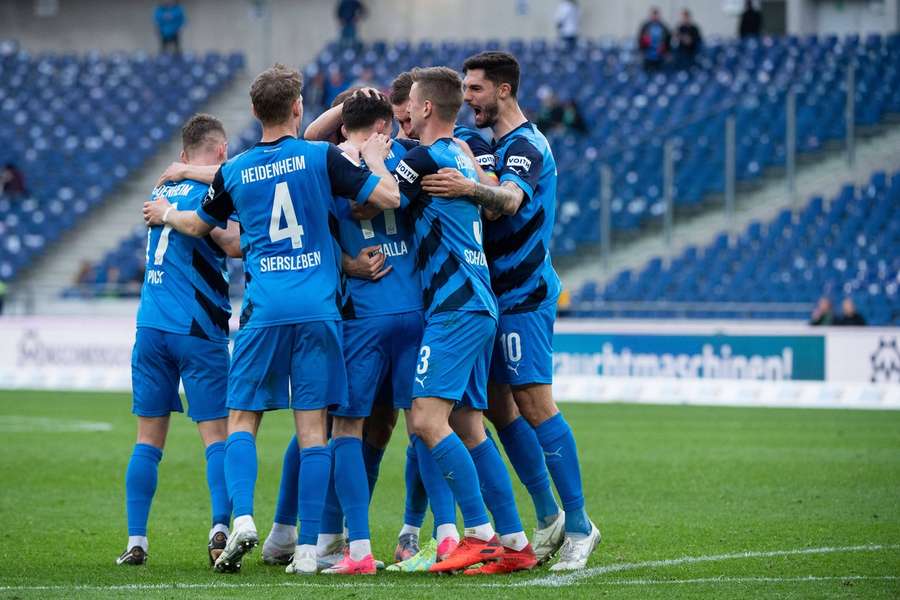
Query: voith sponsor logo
x,y
519,161
406,172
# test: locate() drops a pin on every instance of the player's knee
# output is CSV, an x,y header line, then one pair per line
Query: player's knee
x,y
378,433
347,427
215,430
152,431
535,403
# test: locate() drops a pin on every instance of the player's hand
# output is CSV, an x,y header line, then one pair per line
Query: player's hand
x,y
490,215
368,264
448,183
363,212
372,92
177,171
154,211
376,148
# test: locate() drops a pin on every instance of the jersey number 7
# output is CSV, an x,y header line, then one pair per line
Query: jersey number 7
x,y
282,204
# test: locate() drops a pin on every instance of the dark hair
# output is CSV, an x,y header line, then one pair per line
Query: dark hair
x,y
443,88
499,67
201,130
400,87
363,109
274,92
340,98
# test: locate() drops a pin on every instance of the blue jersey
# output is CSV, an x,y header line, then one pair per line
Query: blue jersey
x,y
186,281
518,246
283,192
449,253
398,291
484,155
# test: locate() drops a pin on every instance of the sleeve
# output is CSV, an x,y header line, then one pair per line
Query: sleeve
x,y
407,143
484,156
218,206
409,173
522,164
349,179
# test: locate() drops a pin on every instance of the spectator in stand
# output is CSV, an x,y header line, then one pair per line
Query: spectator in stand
x,y
349,13
365,79
567,18
849,316
571,117
689,40
751,21
550,114
12,181
556,115
334,85
169,18
654,40
823,314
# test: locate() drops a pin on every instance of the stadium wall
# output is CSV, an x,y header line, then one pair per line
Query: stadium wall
x,y
293,32
743,364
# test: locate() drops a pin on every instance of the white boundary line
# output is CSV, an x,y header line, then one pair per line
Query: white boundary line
x,y
26,424
686,560
549,581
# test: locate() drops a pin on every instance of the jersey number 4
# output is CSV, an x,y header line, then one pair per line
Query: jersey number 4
x,y
282,205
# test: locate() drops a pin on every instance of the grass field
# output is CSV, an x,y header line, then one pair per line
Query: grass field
x,y
692,502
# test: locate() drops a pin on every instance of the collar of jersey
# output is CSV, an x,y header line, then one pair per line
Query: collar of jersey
x,y
500,141
276,142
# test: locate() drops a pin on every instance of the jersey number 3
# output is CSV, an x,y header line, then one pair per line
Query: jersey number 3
x,y
283,205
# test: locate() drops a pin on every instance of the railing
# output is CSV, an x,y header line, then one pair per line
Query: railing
x,y
669,134
687,310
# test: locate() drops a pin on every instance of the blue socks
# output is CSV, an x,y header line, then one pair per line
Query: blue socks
x,y
215,479
351,486
240,471
372,458
286,508
524,452
140,485
443,506
561,456
496,487
416,496
456,464
332,515
315,472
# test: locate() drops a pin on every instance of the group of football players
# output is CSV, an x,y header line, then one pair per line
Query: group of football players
x,y
381,275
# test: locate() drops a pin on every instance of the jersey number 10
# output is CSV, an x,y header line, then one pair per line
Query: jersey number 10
x,y
283,205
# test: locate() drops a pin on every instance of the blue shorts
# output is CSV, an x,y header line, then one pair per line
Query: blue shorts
x,y
523,350
160,359
299,366
454,358
380,354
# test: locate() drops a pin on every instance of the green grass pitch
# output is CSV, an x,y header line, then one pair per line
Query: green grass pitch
x,y
692,502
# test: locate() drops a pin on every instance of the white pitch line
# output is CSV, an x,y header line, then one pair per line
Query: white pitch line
x,y
702,580
549,581
23,424
569,579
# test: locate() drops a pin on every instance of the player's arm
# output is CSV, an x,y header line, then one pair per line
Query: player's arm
x,y
325,126
518,178
368,264
228,239
160,212
505,198
370,185
179,171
